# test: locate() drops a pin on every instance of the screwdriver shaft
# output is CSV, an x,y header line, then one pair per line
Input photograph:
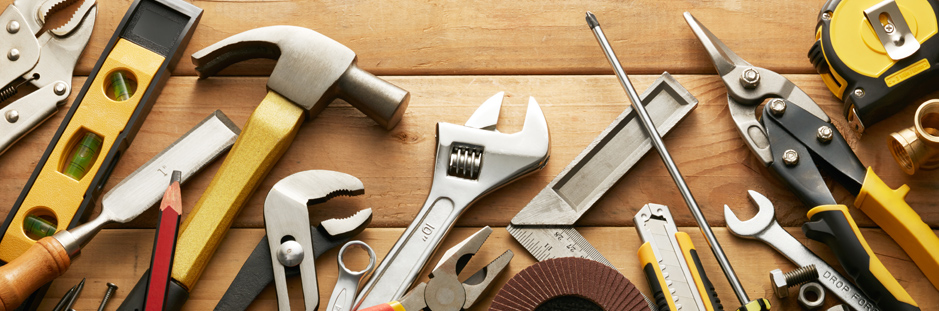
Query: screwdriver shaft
x,y
669,163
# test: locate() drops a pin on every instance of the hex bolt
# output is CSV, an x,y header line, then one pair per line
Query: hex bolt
x,y
13,27
790,157
59,88
825,134
13,55
750,78
814,289
777,106
12,116
783,281
107,295
859,92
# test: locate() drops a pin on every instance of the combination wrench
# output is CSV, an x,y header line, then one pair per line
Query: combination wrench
x,y
764,227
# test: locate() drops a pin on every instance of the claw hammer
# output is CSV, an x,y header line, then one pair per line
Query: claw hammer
x,y
311,71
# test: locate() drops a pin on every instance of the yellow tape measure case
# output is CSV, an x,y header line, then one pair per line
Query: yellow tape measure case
x,y
876,56
102,121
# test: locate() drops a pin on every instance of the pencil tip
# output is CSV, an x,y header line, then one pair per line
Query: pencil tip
x,y
177,175
592,20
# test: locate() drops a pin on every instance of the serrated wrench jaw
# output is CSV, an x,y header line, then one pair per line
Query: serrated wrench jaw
x,y
287,222
765,218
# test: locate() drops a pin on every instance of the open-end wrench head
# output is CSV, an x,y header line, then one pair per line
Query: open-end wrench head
x,y
764,218
487,115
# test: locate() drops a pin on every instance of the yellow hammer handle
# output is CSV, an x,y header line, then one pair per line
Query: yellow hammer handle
x,y
890,211
40,264
264,139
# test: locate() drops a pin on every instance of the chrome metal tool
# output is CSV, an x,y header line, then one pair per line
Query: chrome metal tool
x,y
472,161
545,227
746,303
764,227
444,291
127,200
287,222
45,62
347,284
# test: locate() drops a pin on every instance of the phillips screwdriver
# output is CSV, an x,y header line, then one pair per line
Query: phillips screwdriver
x,y
747,304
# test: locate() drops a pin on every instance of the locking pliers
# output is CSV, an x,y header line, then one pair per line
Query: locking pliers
x,y
46,62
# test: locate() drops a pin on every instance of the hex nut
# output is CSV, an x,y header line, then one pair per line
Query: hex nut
x,y
814,289
778,281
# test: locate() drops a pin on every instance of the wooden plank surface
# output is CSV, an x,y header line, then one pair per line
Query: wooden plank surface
x,y
451,56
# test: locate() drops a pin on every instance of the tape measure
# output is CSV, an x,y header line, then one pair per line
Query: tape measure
x,y
876,56
101,123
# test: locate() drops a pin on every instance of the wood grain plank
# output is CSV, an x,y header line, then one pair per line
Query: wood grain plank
x,y
100,264
416,37
396,166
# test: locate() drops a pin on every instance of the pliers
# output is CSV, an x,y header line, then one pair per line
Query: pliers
x,y
46,62
792,135
444,291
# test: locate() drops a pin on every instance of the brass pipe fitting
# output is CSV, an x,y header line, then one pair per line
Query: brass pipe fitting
x,y
917,147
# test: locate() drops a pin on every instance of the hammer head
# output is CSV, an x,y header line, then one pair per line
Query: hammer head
x,y
312,70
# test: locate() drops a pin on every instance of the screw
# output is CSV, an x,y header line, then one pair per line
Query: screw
x,y
783,281
107,295
59,88
859,92
13,27
12,116
790,157
889,28
824,134
14,54
290,253
826,16
777,106
750,78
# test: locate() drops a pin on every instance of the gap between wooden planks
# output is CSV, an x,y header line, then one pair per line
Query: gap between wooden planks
x,y
752,260
396,166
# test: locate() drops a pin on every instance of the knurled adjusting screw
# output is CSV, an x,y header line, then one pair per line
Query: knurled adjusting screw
x,y
825,134
750,78
790,157
777,106
783,281
13,27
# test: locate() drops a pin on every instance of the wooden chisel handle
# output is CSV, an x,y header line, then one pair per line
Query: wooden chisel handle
x,y
40,264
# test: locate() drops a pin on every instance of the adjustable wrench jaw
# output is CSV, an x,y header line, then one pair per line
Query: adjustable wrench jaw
x,y
287,222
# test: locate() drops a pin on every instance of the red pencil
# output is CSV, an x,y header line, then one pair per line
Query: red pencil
x,y
164,246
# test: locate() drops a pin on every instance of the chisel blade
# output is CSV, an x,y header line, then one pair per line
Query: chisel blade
x,y
189,154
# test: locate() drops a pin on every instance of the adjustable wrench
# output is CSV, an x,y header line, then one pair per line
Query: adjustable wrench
x,y
472,161
764,227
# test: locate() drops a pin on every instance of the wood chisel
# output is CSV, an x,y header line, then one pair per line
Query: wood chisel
x,y
545,227
876,56
671,264
103,120
51,256
164,245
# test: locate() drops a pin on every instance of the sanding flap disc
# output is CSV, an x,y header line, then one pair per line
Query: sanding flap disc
x,y
569,284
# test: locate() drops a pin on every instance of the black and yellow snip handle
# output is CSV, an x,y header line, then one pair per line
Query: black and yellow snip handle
x,y
832,225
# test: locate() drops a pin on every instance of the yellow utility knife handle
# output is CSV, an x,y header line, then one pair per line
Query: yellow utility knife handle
x,y
264,139
890,211
650,266
705,287
832,225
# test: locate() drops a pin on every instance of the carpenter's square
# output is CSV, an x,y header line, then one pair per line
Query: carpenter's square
x,y
545,227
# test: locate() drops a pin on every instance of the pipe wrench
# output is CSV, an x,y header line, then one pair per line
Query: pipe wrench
x,y
791,136
45,62
472,161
